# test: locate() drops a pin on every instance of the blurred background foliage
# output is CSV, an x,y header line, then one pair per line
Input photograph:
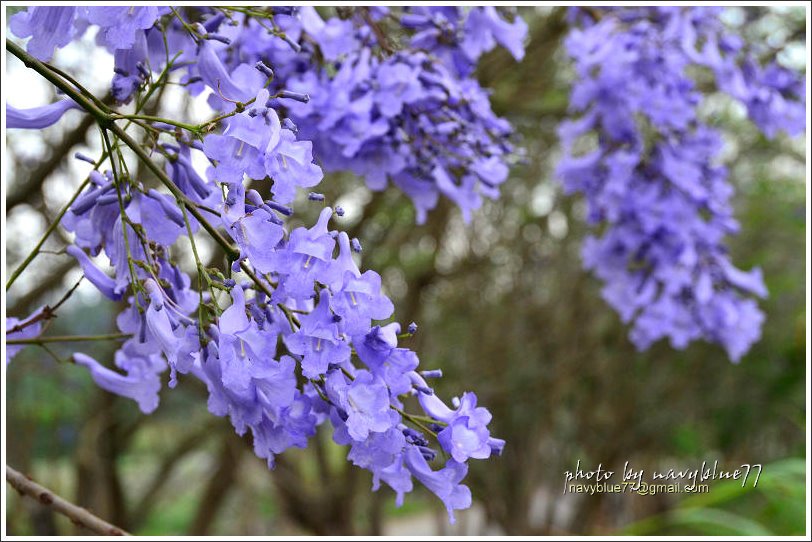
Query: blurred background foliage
x,y
504,309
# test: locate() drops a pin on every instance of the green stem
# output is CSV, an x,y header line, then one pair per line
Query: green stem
x,y
106,122
80,88
190,127
205,126
33,254
117,182
186,25
70,338
200,274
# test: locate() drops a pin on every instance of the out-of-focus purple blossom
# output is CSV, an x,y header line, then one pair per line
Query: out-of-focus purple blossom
x,y
415,125
49,27
661,253
119,26
38,117
335,37
130,71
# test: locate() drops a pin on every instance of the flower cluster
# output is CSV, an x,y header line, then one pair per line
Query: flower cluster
x,y
302,336
413,116
652,182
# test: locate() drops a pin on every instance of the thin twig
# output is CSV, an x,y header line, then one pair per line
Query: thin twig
x,y
70,338
380,36
79,516
46,313
48,232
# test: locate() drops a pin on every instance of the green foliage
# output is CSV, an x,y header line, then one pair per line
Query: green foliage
x,y
775,507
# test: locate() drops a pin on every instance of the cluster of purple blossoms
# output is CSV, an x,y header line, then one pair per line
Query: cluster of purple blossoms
x,y
410,115
306,340
414,117
652,183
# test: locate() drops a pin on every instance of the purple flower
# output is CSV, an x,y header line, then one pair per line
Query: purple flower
x,y
277,432
38,117
335,37
307,257
414,118
397,86
241,148
365,400
484,28
463,438
377,452
394,366
130,68
240,404
240,85
396,476
102,282
445,483
164,321
242,346
418,124
357,297
466,434
289,163
141,383
661,254
257,234
319,340
184,175
160,216
119,26
94,214
49,27
275,382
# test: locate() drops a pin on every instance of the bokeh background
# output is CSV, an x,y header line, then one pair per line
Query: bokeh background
x,y
504,309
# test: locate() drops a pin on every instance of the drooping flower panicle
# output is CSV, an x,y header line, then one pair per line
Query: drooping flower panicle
x,y
306,341
653,183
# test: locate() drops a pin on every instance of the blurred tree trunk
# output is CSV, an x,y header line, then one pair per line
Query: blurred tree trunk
x,y
101,442
217,489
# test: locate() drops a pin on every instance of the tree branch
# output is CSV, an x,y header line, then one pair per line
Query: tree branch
x,y
79,516
106,122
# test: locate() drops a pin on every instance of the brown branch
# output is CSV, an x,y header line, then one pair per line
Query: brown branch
x,y
380,35
79,516
47,311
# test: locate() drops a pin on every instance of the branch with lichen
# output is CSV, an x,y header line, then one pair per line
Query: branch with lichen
x,y
79,516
